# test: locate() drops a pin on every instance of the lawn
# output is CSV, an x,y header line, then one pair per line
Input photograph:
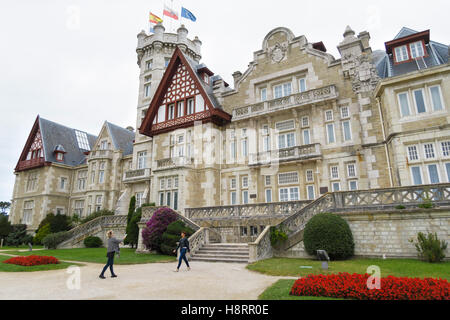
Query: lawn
x,y
21,247
291,267
280,291
98,255
396,267
5,267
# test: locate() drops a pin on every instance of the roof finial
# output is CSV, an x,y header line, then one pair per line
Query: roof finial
x,y
348,32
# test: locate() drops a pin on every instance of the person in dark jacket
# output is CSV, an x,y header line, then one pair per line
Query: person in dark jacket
x,y
183,245
113,248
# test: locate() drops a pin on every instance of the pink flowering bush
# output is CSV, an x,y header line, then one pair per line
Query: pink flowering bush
x,y
156,226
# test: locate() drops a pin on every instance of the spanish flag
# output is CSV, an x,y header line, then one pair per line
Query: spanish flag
x,y
154,18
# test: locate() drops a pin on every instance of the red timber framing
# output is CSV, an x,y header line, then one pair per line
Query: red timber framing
x,y
179,85
33,153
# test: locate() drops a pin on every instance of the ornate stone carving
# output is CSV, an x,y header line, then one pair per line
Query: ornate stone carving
x,y
278,52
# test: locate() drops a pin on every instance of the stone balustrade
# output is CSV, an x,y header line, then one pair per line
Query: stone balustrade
x,y
174,162
136,175
304,152
273,209
261,248
101,154
294,100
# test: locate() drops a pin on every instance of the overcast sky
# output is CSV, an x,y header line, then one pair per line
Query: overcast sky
x,y
74,62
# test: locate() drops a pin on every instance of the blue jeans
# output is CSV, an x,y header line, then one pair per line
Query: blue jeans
x,y
109,264
182,257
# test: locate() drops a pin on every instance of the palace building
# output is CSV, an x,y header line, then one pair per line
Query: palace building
x,y
298,123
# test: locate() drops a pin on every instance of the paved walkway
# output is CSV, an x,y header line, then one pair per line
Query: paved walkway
x,y
157,281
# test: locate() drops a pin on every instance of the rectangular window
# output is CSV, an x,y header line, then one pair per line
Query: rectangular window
x,y
289,194
306,137
161,114
233,149
353,185
433,173
335,186
436,98
245,147
233,183
330,133
282,90
82,175
169,183
139,199
268,180
309,176
243,231
401,54
416,49
263,94
180,109
268,195
149,64
345,113
346,131
404,104
171,112
286,140
288,178
101,176
79,206
266,143
284,194
420,102
141,160
412,153
28,207
302,85
62,183
190,106
32,181
253,231
351,170
429,151
245,197
175,200
445,148
305,122
161,198
416,173
447,168
334,172
244,182
311,192
329,115
233,198
293,194
168,198
162,184
147,90
166,62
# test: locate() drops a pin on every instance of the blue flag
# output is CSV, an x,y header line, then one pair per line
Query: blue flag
x,y
185,13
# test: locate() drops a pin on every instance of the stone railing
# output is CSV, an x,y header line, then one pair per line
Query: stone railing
x,y
174,162
261,248
362,200
100,154
138,174
78,234
295,153
294,100
273,209
197,240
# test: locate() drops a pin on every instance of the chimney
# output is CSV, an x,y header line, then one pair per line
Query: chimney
x,y
236,76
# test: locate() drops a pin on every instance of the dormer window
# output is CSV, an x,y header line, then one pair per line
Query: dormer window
x,y
401,54
59,153
206,78
60,156
416,49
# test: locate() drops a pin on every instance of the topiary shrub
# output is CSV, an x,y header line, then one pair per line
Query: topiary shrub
x,y
172,235
327,231
52,240
93,242
156,226
41,234
430,248
133,229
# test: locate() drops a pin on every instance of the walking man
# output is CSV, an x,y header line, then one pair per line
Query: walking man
x,y
183,245
113,247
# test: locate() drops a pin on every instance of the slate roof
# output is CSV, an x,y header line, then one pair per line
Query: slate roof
x,y
57,136
122,139
438,54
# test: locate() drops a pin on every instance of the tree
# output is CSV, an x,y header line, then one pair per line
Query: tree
x,y
59,223
131,208
133,229
4,206
5,227
18,235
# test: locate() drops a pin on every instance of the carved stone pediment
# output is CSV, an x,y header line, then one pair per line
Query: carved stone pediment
x,y
278,52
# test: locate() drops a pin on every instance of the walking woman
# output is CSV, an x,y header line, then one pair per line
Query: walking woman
x,y
113,247
183,245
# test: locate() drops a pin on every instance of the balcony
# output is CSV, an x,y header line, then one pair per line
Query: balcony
x,y
176,162
30,164
100,154
306,152
295,100
137,175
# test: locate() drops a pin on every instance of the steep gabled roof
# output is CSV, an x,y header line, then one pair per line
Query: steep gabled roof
x,y
214,110
122,138
58,137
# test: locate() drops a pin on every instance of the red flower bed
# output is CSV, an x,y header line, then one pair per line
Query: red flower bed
x,y
354,286
32,260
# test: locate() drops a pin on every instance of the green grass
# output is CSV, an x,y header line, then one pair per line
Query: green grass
x,y
98,255
396,267
6,267
20,247
280,291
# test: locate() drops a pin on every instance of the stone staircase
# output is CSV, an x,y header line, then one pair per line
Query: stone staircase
x,y
222,252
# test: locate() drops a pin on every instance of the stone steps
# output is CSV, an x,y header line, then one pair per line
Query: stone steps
x,y
222,252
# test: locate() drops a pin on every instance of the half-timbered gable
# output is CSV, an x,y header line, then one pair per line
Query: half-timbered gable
x,y
183,97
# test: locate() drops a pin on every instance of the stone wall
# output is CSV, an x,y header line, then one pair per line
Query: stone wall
x,y
388,232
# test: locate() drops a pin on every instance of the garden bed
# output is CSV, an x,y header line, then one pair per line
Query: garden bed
x,y
32,260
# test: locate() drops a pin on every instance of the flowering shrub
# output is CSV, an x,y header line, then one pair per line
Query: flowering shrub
x,y
156,226
354,286
29,261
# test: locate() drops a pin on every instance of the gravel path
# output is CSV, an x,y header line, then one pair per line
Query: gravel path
x,y
156,281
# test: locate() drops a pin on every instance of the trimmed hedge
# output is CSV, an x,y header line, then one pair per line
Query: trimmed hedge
x,y
329,232
173,235
93,242
52,240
